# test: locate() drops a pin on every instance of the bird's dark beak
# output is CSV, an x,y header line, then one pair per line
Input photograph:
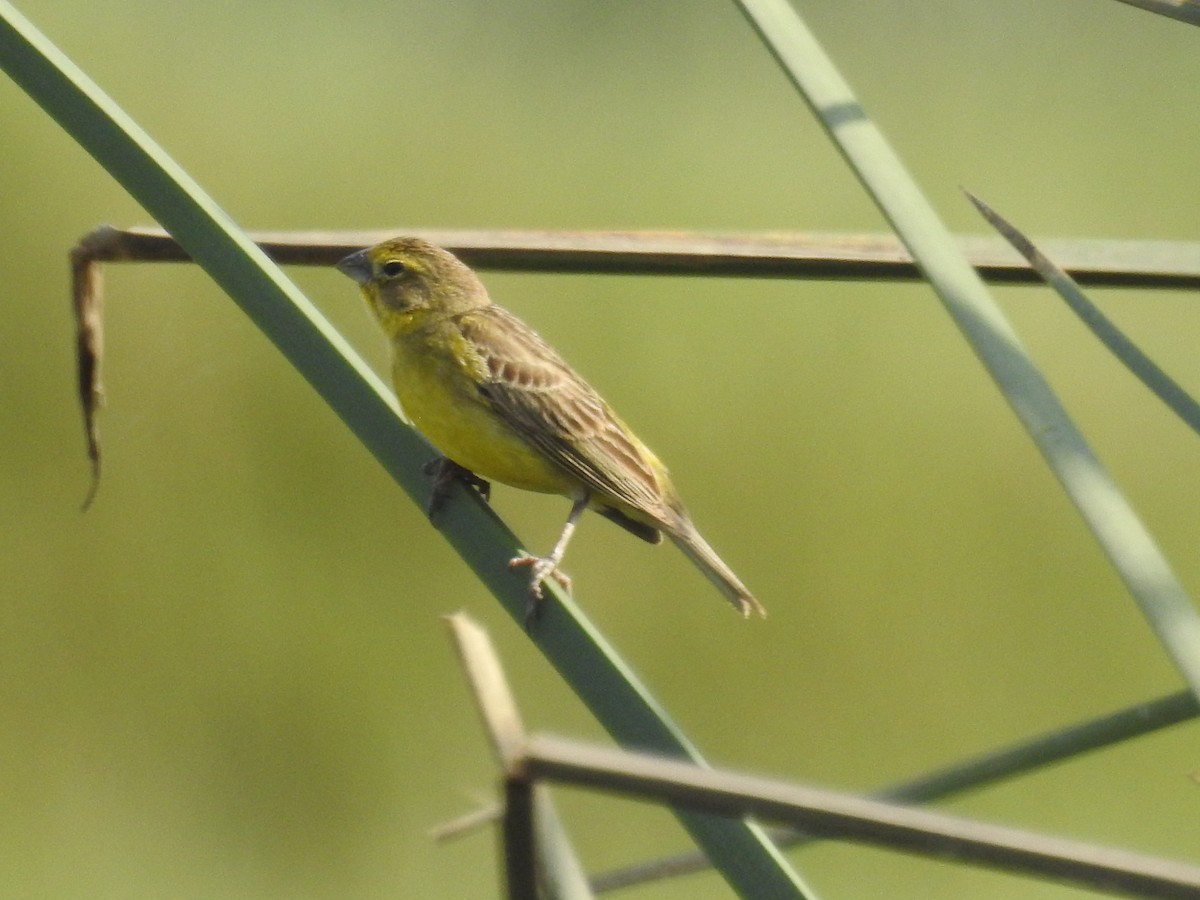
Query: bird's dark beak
x,y
356,266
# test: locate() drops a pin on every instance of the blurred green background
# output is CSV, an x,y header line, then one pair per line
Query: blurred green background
x,y
229,677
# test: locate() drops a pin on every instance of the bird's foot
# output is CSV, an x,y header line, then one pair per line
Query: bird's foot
x,y
541,568
445,472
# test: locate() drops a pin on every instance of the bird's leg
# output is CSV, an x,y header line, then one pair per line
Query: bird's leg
x,y
445,472
543,567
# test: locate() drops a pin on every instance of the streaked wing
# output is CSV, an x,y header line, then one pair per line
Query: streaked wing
x,y
558,412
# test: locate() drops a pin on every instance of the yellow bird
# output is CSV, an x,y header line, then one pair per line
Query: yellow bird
x,y
501,404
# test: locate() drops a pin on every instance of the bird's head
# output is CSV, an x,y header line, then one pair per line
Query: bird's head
x,y
406,280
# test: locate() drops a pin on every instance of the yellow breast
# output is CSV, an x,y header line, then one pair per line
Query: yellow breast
x,y
436,374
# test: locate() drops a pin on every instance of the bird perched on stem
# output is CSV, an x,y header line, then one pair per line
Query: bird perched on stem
x,y
501,404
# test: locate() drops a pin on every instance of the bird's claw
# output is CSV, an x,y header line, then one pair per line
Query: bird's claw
x,y
445,472
541,568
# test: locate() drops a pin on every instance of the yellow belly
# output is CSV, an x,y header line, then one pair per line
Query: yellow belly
x,y
440,398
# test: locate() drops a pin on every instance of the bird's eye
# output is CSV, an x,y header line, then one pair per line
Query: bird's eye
x,y
393,267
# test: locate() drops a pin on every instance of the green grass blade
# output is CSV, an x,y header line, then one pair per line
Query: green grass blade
x,y
562,874
740,850
1147,371
1183,10
1112,520
1045,749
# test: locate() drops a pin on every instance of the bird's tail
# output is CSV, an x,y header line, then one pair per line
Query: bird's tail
x,y
688,539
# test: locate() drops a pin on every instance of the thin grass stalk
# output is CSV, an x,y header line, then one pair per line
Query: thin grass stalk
x,y
838,815
985,770
560,872
1094,262
517,835
1116,526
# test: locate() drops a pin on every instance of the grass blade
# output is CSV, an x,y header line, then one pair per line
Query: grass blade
x,y
1183,10
1046,749
1147,371
1165,605
1112,520
741,851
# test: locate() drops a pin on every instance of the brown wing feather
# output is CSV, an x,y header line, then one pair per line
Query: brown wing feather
x,y
558,412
